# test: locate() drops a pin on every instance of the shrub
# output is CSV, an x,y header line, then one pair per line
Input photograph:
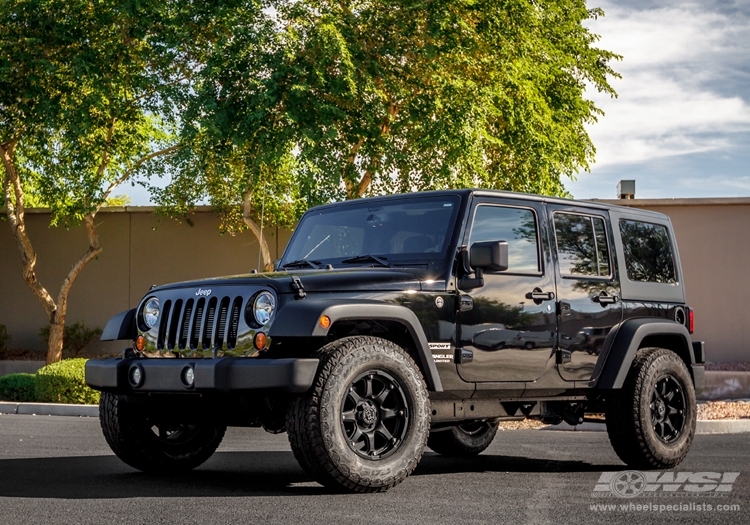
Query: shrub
x,y
64,382
4,338
75,337
18,387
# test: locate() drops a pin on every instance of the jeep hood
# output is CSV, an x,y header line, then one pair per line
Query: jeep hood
x,y
337,280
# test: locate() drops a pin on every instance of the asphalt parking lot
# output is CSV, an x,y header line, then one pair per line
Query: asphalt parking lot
x,y
60,470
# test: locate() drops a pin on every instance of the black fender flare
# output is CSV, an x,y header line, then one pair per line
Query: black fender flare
x,y
623,342
300,319
120,327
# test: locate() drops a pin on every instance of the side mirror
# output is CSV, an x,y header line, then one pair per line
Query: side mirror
x,y
491,256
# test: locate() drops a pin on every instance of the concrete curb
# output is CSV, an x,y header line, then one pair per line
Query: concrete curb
x,y
704,426
49,409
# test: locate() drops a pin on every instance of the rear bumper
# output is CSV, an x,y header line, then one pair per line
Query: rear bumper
x,y
224,374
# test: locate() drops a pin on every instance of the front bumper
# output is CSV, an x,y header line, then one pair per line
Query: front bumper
x,y
224,374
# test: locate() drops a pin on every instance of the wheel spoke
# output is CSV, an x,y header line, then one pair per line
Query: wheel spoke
x,y
380,429
380,398
369,440
368,388
389,413
354,395
356,436
349,416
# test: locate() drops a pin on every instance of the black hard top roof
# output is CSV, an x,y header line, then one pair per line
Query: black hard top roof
x,y
478,192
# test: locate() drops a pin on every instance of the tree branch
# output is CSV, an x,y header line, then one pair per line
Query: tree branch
x,y
129,172
248,220
16,217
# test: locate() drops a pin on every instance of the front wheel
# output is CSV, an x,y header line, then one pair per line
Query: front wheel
x,y
152,446
651,420
363,425
465,439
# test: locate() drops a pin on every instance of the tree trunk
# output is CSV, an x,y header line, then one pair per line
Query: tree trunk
x,y
55,341
257,231
14,207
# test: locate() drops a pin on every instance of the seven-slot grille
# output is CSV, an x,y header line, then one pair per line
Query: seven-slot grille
x,y
211,321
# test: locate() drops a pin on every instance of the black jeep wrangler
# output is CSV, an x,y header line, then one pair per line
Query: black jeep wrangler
x,y
396,322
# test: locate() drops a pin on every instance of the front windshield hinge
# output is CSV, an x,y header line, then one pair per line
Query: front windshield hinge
x,y
299,290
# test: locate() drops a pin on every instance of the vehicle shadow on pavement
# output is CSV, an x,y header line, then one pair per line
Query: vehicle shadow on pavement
x,y
226,474
436,464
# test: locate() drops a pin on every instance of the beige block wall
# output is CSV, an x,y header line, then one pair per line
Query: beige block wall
x,y
140,249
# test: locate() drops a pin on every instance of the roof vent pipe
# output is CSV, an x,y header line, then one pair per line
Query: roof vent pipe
x,y
626,189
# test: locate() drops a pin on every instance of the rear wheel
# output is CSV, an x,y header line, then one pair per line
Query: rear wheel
x,y
363,425
465,439
651,420
153,446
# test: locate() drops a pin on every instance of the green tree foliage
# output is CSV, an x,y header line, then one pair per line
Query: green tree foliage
x,y
89,99
353,98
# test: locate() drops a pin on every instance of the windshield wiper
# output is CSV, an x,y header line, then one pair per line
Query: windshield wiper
x,y
301,263
368,258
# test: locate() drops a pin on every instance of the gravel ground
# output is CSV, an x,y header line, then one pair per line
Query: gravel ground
x,y
728,367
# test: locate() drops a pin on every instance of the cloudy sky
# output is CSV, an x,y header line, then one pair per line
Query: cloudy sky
x,y
681,123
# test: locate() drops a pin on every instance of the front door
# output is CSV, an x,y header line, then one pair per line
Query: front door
x,y
587,285
510,328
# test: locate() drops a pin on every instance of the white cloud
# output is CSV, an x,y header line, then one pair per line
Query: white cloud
x,y
676,96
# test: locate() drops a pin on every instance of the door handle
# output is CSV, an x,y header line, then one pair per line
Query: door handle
x,y
604,299
537,295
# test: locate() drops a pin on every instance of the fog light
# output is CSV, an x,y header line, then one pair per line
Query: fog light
x,y
325,321
260,341
140,343
136,376
188,376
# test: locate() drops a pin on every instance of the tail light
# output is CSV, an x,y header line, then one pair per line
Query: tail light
x,y
691,321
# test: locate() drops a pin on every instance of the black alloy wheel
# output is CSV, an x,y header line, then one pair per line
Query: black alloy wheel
x,y
375,414
651,420
667,409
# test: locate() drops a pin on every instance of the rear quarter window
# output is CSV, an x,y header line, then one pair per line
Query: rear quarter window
x,y
648,252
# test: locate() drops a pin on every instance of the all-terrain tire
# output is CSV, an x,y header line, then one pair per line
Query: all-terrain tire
x,y
149,447
651,420
465,439
339,429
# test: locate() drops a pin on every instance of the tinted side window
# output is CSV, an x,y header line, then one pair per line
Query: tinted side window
x,y
517,226
582,248
648,252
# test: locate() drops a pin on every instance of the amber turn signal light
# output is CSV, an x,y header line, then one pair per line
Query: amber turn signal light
x,y
260,340
325,321
140,343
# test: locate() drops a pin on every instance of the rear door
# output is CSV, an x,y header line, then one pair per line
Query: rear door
x,y
588,286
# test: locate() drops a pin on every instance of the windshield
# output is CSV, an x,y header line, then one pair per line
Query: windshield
x,y
400,230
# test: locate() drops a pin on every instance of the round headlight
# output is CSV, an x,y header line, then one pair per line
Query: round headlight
x,y
151,312
263,308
